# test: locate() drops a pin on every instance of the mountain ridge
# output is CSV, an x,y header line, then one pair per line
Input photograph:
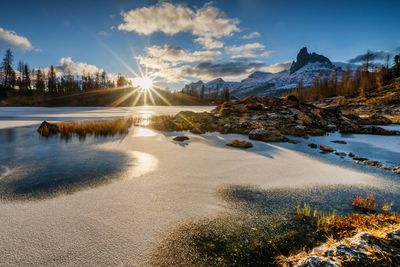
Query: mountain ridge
x,y
305,69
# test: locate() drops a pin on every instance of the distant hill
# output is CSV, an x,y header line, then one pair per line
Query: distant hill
x,y
305,69
112,97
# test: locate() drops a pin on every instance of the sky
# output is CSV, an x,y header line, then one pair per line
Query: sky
x,y
182,41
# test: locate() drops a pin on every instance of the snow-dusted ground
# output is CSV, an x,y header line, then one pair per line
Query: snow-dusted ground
x,y
118,224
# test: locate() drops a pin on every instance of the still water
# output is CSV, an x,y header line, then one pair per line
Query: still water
x,y
32,166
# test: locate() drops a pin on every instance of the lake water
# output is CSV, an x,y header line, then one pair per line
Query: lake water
x,y
35,167
38,167
385,149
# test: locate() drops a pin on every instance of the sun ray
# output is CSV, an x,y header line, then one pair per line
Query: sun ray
x,y
137,98
151,97
160,96
116,56
117,102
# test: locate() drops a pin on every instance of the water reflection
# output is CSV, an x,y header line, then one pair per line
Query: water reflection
x,y
142,132
145,116
37,167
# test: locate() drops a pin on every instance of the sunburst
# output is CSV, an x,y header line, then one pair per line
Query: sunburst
x,y
145,83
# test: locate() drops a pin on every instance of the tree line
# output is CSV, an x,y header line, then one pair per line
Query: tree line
x,y
28,81
217,94
367,77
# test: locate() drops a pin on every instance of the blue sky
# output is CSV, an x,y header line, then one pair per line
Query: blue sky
x,y
182,41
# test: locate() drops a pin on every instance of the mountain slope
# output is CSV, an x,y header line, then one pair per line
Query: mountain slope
x,y
306,68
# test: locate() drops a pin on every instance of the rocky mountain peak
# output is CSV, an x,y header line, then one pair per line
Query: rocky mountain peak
x,y
303,58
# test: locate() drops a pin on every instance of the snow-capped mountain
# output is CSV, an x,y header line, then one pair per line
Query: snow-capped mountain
x,y
306,68
211,86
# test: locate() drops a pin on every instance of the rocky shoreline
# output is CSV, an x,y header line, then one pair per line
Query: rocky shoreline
x,y
271,119
363,249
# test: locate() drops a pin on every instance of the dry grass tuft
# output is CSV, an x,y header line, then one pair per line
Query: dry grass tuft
x,y
99,127
367,203
378,224
393,119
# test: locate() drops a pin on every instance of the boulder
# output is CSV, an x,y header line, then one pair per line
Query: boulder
x,y
46,129
326,149
373,163
341,154
197,131
239,144
180,138
339,142
312,145
266,136
359,158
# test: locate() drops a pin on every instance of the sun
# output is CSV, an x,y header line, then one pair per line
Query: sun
x,y
145,83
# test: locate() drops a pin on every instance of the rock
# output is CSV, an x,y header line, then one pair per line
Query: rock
x,y
339,142
362,249
359,158
341,154
303,58
326,149
356,129
375,119
293,98
197,131
239,143
351,155
46,129
312,145
373,163
266,136
180,138
396,170
254,106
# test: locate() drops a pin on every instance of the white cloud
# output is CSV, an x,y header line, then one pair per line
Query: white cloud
x,y
12,39
247,51
251,35
207,22
209,42
168,62
233,70
75,67
176,54
277,67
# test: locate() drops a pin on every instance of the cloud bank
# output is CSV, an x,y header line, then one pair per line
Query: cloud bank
x,y
13,40
207,23
67,65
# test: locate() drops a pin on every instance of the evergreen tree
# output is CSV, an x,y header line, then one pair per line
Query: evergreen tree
x,y
40,85
396,67
52,80
26,79
8,74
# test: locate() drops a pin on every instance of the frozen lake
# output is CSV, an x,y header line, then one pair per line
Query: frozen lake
x,y
109,201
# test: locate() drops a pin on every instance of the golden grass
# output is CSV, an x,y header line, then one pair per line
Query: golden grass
x,y
346,225
367,203
393,119
98,127
377,224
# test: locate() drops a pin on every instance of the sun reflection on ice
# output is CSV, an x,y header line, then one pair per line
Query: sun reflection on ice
x,y
142,163
143,132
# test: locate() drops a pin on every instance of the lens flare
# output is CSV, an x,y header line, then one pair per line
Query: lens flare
x,y
145,83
